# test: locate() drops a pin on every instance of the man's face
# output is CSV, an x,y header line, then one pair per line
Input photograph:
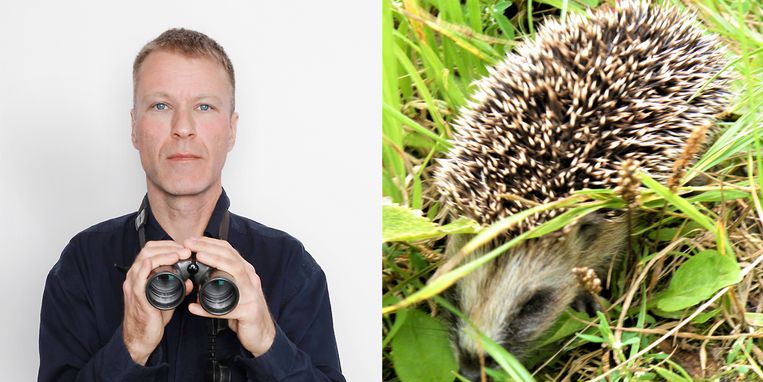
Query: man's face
x,y
182,122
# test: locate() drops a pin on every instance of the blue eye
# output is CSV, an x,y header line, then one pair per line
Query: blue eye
x,y
204,107
160,106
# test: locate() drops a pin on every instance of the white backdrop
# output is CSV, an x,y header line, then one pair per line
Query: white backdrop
x,y
306,159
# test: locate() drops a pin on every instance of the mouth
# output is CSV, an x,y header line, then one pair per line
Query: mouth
x,y
183,157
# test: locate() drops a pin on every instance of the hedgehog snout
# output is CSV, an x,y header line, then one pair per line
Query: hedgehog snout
x,y
513,300
470,367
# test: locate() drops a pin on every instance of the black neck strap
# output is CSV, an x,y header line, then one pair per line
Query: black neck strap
x,y
142,218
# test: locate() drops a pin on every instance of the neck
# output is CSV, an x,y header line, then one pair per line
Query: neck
x,y
183,216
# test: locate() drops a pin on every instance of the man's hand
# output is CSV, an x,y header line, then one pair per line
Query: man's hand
x,y
143,325
250,319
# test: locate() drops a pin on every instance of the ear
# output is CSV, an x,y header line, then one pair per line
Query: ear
x,y
133,128
233,128
587,230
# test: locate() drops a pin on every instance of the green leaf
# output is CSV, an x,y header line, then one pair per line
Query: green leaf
x,y
421,351
590,338
461,225
754,319
559,4
568,323
502,357
401,223
404,224
399,320
604,327
669,375
589,3
503,23
698,278
718,195
505,360
402,118
568,216
703,317
439,284
679,202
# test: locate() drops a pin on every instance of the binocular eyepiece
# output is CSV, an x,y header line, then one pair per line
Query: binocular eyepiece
x,y
165,289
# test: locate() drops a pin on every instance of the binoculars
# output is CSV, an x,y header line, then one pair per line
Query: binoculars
x,y
165,289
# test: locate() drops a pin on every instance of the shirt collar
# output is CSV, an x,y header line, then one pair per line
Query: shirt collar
x,y
154,231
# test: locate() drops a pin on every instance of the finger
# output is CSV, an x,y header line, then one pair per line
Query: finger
x,y
145,257
188,287
157,246
167,316
144,267
184,253
221,255
227,264
196,309
206,244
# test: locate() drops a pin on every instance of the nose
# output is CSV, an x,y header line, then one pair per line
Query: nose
x,y
470,368
183,125
470,373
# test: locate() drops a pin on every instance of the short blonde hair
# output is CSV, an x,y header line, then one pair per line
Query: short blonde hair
x,y
189,43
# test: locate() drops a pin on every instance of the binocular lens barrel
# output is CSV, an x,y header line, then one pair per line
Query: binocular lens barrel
x,y
165,289
219,294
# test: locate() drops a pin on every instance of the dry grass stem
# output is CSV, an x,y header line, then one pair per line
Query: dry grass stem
x,y
517,198
675,330
635,284
693,336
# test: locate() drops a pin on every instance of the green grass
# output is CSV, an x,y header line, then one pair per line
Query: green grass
x,y
432,52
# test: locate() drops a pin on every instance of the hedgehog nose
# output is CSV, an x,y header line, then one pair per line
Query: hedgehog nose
x,y
470,373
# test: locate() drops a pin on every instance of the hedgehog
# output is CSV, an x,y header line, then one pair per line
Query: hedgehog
x,y
563,112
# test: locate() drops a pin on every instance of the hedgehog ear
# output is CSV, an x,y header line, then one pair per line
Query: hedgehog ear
x,y
587,229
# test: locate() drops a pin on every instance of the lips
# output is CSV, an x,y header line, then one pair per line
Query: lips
x,y
183,157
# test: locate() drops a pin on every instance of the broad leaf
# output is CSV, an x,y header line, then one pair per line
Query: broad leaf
x,y
568,323
420,350
401,223
698,278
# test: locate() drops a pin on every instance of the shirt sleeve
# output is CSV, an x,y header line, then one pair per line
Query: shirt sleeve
x,y
69,346
304,348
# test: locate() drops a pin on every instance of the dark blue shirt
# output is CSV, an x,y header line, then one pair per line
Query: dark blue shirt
x,y
82,311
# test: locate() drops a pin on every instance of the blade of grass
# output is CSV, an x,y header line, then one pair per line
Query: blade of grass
x,y
679,203
444,277
403,119
503,358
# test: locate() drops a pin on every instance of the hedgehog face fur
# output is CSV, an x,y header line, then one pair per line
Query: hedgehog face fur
x,y
562,114
515,299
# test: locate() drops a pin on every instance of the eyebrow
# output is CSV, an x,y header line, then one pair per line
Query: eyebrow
x,y
201,97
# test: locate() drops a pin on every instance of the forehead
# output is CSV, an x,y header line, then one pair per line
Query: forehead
x,y
177,74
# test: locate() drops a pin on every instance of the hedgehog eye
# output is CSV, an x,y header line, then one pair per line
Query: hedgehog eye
x,y
537,302
588,228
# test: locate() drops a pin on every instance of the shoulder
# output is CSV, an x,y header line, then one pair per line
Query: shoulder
x,y
276,243
104,232
79,252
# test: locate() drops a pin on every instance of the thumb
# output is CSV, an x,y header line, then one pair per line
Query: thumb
x,y
188,287
166,316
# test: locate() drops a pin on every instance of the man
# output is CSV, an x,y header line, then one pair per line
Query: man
x,y
96,322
